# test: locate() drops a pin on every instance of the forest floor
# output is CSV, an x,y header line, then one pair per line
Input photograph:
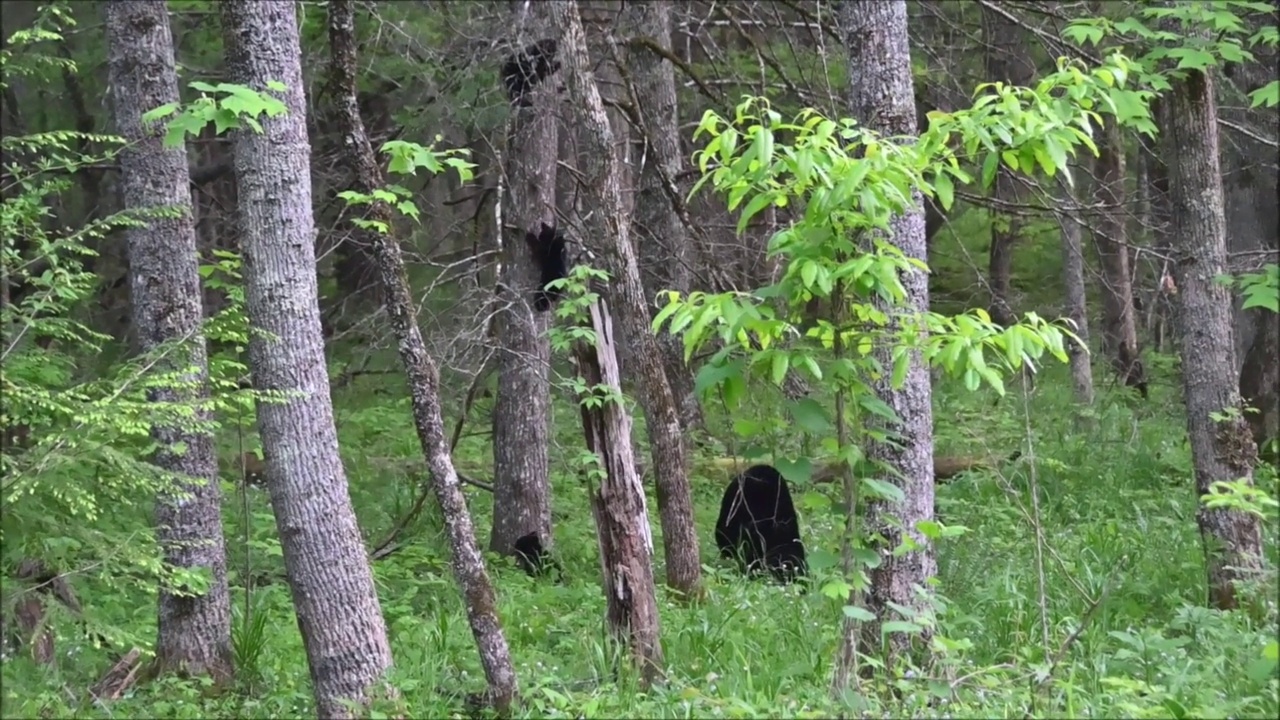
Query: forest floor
x,y
1116,512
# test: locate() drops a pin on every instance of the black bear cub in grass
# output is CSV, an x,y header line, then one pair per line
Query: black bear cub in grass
x,y
549,254
527,68
533,558
758,525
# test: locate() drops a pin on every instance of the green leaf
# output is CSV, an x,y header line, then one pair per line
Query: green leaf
x,y
810,416
988,169
866,557
778,371
900,626
945,190
856,612
161,112
885,490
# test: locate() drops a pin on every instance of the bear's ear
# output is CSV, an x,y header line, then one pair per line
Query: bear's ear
x,y
548,231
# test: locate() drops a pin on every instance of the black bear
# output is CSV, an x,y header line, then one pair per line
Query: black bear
x,y
758,525
527,68
532,557
549,254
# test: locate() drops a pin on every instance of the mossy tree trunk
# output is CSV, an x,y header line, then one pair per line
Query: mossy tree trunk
x,y
881,97
1222,446
423,375
522,408
193,631
326,565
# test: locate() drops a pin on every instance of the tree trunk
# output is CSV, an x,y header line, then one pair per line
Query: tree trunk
x,y
1119,329
1158,178
1222,449
662,242
1260,384
522,408
602,182
1076,307
1251,190
1007,61
193,632
619,506
341,622
881,97
424,377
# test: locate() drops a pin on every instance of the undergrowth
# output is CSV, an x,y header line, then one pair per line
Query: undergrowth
x,y
1110,622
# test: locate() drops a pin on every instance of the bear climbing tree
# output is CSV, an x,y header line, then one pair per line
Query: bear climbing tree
x,y
552,260
525,69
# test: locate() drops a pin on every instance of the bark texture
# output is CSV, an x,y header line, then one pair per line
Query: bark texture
x,y
619,507
602,183
1260,384
1076,308
1007,61
662,241
881,98
522,408
621,515
193,632
328,571
423,375
1221,450
1119,327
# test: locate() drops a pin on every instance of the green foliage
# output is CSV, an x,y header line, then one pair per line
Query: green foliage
x,y
226,105
20,56
406,158
1204,34
76,487
1260,289
1114,512
849,180
846,184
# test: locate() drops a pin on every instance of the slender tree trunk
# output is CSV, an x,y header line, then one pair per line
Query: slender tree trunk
x,y
424,378
620,511
193,632
1007,61
1222,449
1260,384
1160,212
1119,329
326,565
881,97
667,386
1076,308
522,408
602,182
662,241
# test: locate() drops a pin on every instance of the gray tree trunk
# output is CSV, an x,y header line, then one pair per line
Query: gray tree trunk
x,y
1252,199
662,241
328,571
193,632
621,515
1119,327
881,97
423,375
1222,450
1076,306
1008,61
602,182
522,408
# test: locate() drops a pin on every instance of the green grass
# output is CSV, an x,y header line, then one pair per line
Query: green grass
x,y
1116,509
